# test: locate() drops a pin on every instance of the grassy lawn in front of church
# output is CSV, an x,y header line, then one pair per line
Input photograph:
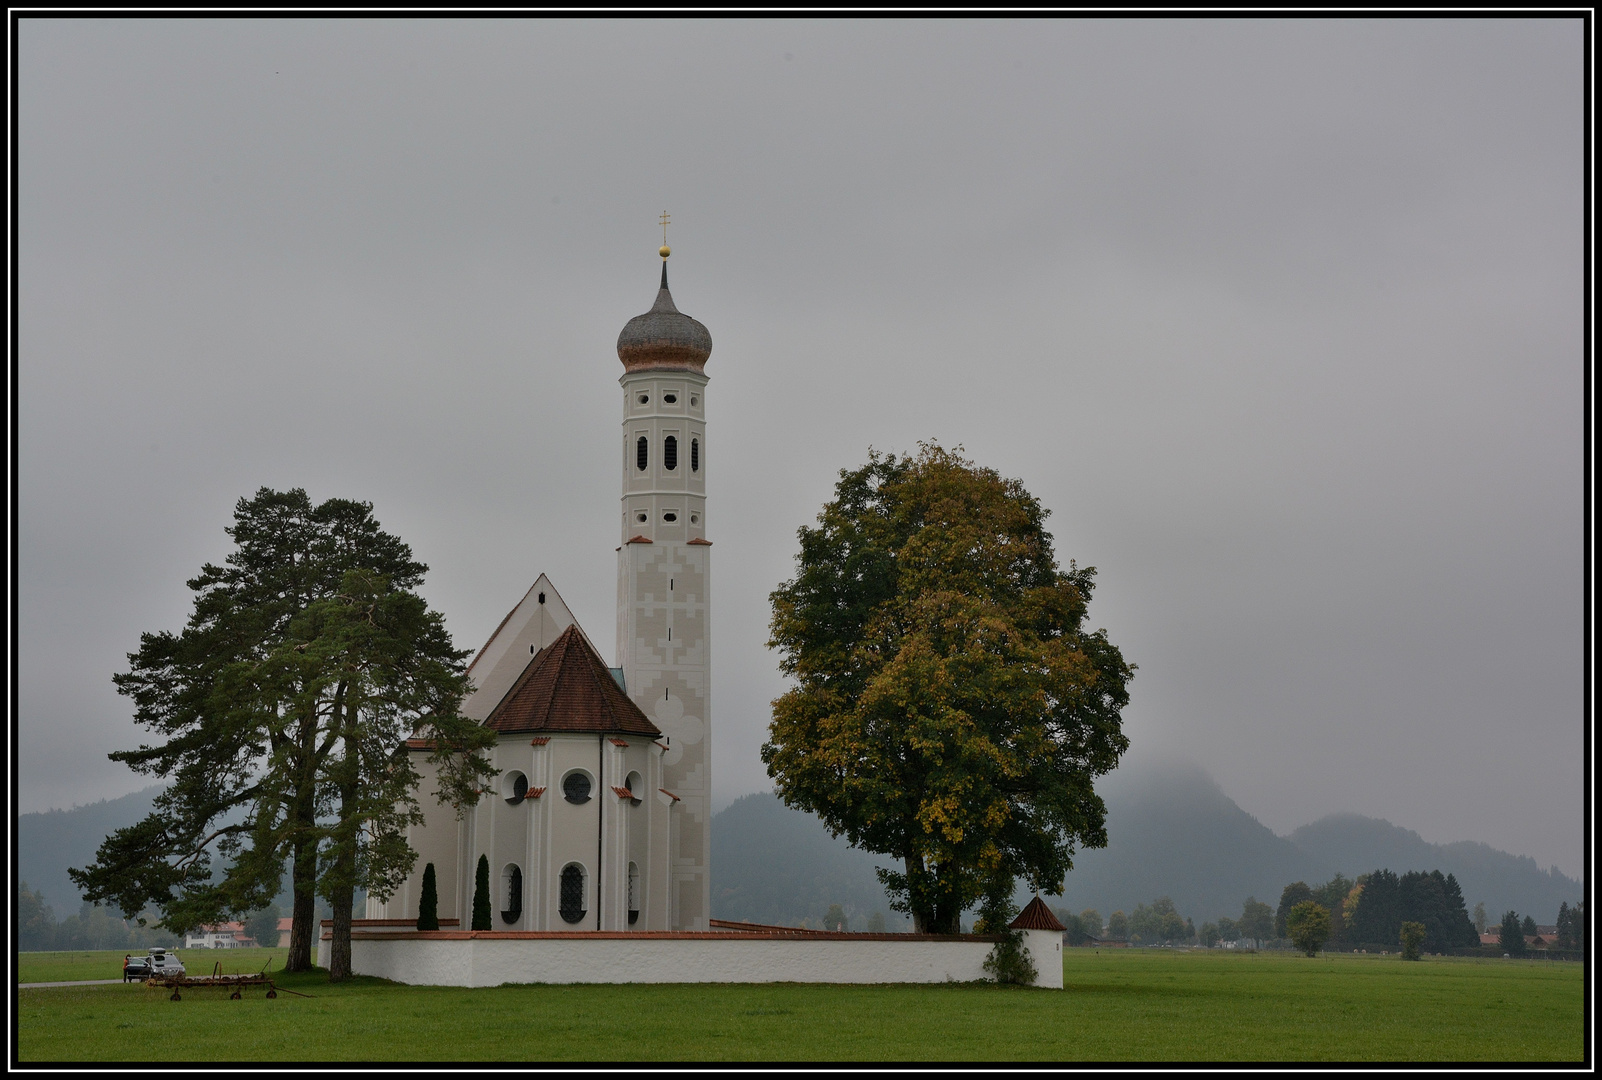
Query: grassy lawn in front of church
x,y
1119,1005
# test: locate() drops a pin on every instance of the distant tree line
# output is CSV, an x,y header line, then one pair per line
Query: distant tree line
x,y
1370,912
1517,935
92,928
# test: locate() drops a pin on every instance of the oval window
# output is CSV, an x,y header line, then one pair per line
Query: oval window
x,y
670,453
670,398
695,455
642,451
670,516
694,400
695,519
571,899
576,788
644,398
640,518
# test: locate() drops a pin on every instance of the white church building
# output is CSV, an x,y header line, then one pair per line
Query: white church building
x,y
601,817
598,834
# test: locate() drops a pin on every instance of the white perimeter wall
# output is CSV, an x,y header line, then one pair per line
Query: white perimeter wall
x,y
463,960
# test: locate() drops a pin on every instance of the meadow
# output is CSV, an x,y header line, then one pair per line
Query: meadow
x,y
1118,1005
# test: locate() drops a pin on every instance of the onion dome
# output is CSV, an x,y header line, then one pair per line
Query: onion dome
x,y
664,337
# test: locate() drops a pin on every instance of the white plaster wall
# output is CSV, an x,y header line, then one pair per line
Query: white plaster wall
x,y
1045,948
635,959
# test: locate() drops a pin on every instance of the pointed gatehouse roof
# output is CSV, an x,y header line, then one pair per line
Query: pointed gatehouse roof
x,y
567,688
1036,916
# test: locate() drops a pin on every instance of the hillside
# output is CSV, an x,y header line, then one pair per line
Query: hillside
x,y
50,842
1173,832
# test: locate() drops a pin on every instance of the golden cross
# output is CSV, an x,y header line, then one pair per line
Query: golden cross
x,y
664,227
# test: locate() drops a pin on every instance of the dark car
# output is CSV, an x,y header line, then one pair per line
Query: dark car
x,y
135,968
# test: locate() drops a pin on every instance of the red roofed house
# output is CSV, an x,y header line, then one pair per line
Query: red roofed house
x,y
230,935
600,815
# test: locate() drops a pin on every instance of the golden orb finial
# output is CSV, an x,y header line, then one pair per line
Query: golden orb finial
x,y
664,251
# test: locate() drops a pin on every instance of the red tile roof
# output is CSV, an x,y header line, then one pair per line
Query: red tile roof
x,y
568,688
539,740
638,540
669,794
703,543
623,793
618,742
1036,916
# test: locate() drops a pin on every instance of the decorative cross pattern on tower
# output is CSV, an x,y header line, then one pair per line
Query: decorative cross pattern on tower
x,y
664,227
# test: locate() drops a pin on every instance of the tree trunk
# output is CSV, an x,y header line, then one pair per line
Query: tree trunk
x,y
923,918
302,930
303,933
339,955
343,893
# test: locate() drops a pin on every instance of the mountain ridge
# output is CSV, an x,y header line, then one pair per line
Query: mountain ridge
x,y
1173,832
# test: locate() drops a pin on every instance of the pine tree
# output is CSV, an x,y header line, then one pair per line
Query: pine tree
x,y
1512,934
428,908
481,896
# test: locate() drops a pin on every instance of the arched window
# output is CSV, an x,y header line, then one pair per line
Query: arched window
x,y
571,900
636,786
670,453
512,889
634,893
695,455
576,788
514,786
642,453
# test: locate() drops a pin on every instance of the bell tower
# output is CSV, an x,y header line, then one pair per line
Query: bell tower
x,y
664,575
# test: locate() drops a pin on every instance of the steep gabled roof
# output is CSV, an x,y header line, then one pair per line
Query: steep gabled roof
x,y
1036,916
567,688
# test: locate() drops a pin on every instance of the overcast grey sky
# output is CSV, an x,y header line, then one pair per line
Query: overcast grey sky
x,y
1282,320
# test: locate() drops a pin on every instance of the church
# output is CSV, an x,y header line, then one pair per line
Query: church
x,y
601,816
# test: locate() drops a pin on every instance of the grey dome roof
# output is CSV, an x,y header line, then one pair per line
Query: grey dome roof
x,y
664,337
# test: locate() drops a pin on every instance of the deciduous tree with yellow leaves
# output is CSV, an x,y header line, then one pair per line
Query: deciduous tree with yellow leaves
x,y
950,709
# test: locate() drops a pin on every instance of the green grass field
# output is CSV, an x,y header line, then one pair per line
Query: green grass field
x,y
71,966
1119,1005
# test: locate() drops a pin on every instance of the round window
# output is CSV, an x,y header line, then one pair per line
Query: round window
x,y
576,788
694,400
645,398
695,519
640,518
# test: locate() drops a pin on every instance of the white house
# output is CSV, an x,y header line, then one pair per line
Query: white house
x,y
230,935
600,818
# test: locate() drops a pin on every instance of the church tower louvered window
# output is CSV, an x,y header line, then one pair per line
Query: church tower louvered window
x,y
642,453
695,455
670,453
